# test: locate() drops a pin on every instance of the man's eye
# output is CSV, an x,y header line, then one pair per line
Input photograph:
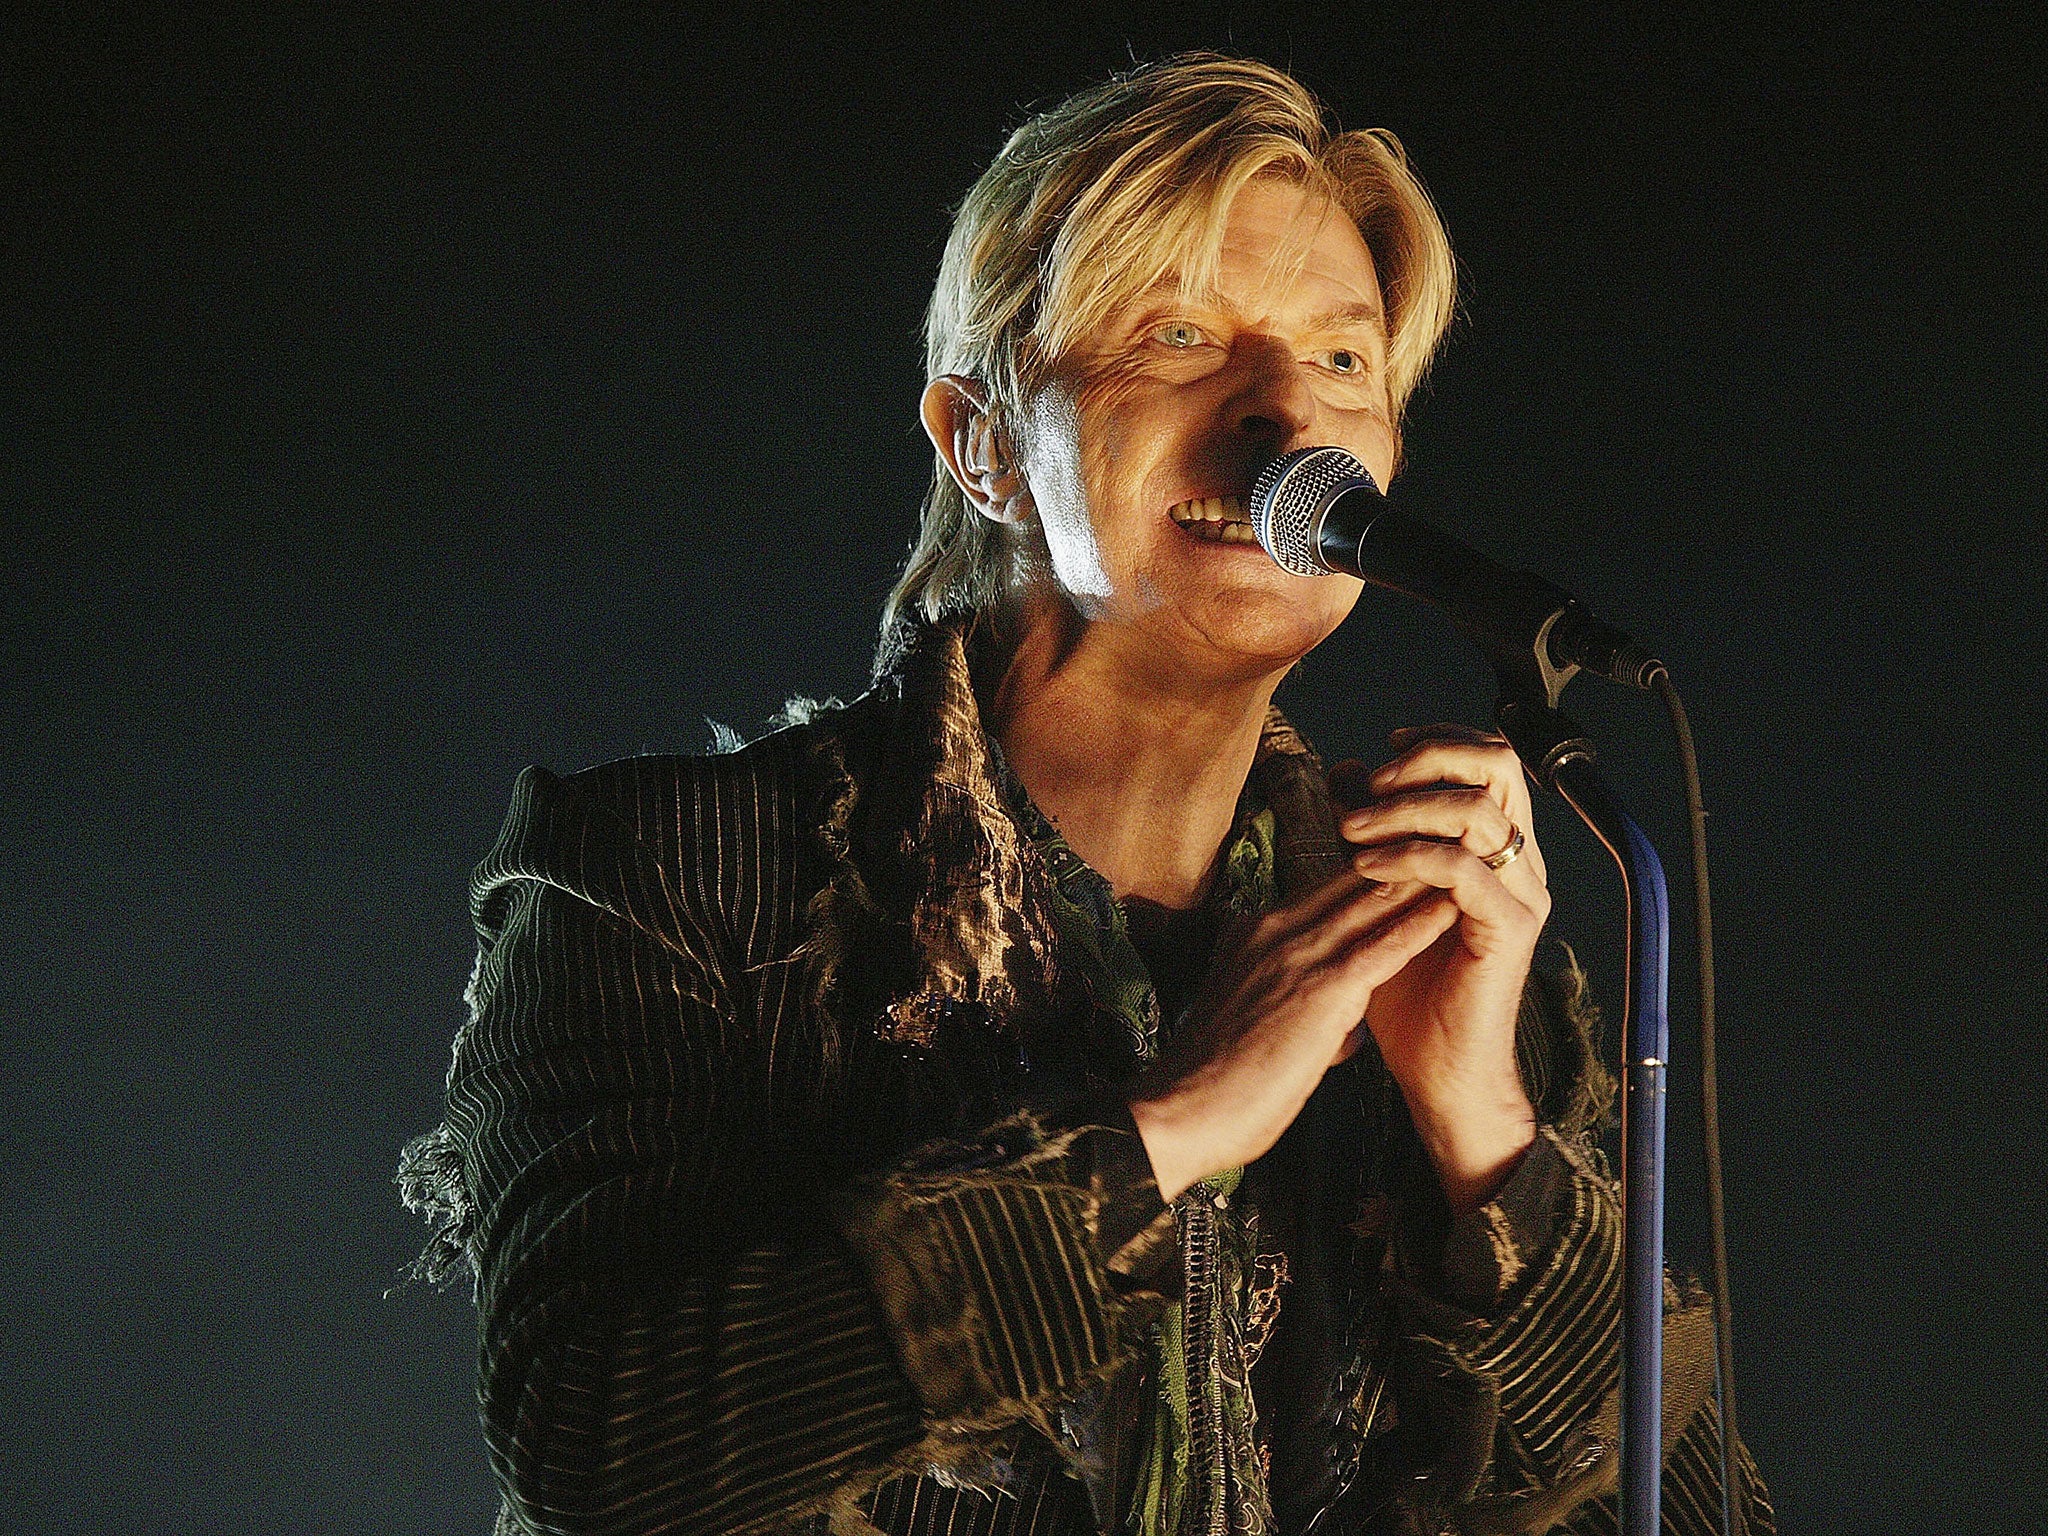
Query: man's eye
x,y
1179,334
1343,360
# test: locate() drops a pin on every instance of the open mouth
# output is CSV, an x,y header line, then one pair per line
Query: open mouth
x,y
1215,519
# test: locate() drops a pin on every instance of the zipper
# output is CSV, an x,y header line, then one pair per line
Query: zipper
x,y
1206,1460
1376,1371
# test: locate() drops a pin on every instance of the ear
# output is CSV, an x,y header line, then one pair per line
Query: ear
x,y
978,453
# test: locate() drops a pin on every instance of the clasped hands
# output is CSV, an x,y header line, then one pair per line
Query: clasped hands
x,y
1425,942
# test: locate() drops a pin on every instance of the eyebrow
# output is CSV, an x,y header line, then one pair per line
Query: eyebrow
x,y
1345,315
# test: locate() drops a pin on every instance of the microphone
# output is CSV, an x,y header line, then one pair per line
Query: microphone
x,y
1318,511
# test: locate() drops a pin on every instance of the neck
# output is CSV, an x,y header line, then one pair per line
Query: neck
x,y
1138,762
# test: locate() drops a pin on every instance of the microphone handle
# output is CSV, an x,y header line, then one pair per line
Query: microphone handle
x,y
1520,620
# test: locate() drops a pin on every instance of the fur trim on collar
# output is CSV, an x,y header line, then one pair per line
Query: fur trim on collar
x,y
948,875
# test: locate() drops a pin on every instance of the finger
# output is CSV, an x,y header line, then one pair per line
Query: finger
x,y
1350,784
1367,904
1315,907
1332,914
1435,760
1303,926
1495,916
1313,932
1465,814
1452,813
1381,950
1444,730
1385,952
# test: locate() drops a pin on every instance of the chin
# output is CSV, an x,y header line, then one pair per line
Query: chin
x,y
1265,632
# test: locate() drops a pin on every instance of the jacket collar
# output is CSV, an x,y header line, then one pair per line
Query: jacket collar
x,y
936,856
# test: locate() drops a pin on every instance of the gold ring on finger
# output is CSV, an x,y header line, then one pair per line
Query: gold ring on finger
x,y
1506,856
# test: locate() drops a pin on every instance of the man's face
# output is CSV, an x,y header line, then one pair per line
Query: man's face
x,y
1142,453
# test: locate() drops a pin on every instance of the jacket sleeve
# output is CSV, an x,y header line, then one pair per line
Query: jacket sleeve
x,y
1510,1326
665,1341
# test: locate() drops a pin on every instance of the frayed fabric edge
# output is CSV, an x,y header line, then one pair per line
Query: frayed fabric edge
x,y
430,1183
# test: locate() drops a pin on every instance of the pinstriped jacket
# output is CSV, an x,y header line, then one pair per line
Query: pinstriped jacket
x,y
787,1154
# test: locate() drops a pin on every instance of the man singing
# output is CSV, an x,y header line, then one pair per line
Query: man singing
x,y
1027,1098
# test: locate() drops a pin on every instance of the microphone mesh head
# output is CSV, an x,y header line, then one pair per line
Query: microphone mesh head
x,y
1290,498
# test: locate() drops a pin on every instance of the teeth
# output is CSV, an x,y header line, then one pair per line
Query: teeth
x,y
1216,531
1228,511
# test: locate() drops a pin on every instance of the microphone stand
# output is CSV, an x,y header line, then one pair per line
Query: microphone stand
x,y
1538,638
1557,753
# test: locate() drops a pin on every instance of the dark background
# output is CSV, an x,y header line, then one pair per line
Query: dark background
x,y
393,402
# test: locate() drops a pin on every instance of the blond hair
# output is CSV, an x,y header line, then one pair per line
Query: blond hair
x,y
1097,199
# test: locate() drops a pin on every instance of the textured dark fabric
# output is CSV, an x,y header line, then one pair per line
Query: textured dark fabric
x,y
792,1171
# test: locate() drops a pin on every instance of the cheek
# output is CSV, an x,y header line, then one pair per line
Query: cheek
x,y
1077,563
1055,463
1142,442
1051,455
1373,441
1060,494
1086,467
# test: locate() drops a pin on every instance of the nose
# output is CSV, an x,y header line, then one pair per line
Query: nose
x,y
1274,404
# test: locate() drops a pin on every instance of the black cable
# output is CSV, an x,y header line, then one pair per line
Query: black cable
x,y
1734,1519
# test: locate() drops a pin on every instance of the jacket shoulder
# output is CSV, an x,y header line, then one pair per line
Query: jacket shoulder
x,y
670,801
708,845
